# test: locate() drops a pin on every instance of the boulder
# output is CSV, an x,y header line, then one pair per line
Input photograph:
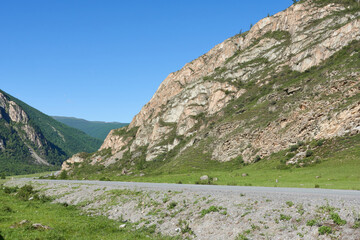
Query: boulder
x,y
204,178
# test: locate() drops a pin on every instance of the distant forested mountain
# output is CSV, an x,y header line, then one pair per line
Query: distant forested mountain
x,y
31,141
96,129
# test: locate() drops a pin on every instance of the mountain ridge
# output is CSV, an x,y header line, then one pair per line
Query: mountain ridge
x,y
31,141
96,129
292,78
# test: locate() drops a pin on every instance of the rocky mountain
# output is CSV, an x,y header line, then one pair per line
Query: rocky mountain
x,y
32,141
96,129
293,77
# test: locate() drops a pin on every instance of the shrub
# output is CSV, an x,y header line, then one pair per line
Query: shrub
x,y
317,186
63,175
6,209
42,198
239,160
104,179
336,218
210,209
289,156
294,148
9,190
311,223
324,230
300,143
284,217
290,203
319,143
172,205
257,158
356,224
25,192
3,176
309,153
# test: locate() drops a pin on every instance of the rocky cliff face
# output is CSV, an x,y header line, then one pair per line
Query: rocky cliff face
x,y
293,77
30,140
15,118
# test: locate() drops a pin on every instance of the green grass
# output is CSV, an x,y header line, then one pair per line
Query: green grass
x,y
66,222
58,142
337,169
335,162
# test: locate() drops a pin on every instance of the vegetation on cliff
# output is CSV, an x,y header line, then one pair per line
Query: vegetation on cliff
x,y
41,135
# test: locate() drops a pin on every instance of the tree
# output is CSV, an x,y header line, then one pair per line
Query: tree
x,y
3,176
63,175
294,1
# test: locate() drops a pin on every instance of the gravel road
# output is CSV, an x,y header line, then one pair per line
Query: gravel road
x,y
213,211
210,189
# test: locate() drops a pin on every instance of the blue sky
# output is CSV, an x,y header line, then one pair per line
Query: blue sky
x,y
104,59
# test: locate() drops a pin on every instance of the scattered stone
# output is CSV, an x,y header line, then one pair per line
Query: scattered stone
x,y
317,177
40,226
22,222
227,209
292,90
204,178
244,175
215,179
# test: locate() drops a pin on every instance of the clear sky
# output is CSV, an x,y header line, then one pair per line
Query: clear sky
x,y
104,59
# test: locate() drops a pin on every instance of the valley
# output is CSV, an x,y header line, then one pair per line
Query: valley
x,y
258,138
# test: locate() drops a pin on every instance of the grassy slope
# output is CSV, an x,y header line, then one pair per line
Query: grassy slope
x,y
76,140
338,168
339,158
16,158
67,222
94,129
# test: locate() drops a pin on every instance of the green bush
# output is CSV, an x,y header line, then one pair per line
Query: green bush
x,y
336,218
309,153
63,175
6,209
284,217
9,190
210,209
172,205
311,222
324,230
319,143
257,158
294,148
25,192
104,179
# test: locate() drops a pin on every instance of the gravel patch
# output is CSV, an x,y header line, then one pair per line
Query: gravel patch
x,y
215,212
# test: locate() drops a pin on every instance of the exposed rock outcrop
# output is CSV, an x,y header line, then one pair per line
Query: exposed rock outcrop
x,y
251,95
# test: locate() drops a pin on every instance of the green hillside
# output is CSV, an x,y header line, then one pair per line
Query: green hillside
x,y
288,127
57,141
96,129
